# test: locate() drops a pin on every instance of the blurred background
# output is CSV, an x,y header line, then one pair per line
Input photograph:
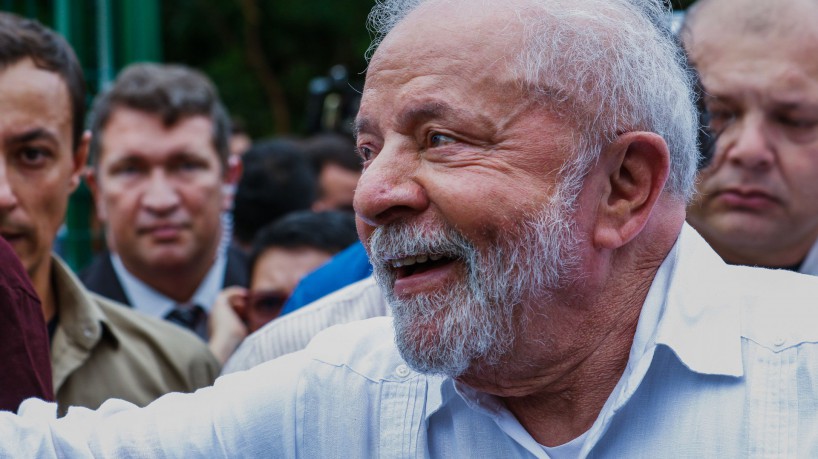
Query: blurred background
x,y
263,55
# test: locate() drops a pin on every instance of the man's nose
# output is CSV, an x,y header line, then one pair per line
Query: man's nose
x,y
390,187
748,144
161,195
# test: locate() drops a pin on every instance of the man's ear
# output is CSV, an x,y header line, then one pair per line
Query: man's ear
x,y
92,180
636,165
231,179
80,160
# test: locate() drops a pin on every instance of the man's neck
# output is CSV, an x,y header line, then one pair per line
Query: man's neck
x,y
557,388
566,406
778,256
41,276
178,284
772,259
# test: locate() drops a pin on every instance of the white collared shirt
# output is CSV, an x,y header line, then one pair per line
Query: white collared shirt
x,y
724,364
147,300
810,264
293,331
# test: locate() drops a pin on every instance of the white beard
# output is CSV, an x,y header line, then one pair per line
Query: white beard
x,y
475,320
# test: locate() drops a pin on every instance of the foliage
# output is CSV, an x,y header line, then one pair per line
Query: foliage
x,y
254,48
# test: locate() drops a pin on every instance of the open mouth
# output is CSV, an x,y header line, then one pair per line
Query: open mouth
x,y
418,264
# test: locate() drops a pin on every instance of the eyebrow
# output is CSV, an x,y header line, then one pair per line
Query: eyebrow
x,y
33,134
791,106
410,117
361,125
423,112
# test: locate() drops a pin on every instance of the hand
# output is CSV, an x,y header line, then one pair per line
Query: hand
x,y
226,327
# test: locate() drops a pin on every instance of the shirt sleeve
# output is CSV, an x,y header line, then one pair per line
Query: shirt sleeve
x,y
23,336
241,415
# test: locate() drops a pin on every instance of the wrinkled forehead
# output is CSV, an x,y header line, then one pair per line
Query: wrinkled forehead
x,y
454,35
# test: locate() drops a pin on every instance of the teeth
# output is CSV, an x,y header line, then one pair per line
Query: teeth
x,y
409,261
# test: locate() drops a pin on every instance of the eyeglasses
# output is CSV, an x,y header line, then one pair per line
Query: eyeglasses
x,y
266,305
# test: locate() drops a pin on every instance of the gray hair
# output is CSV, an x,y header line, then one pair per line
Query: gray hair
x,y
625,72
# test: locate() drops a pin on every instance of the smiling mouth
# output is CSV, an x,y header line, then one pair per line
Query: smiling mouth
x,y
418,264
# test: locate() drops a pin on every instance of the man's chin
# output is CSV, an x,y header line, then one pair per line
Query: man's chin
x,y
426,346
23,249
741,229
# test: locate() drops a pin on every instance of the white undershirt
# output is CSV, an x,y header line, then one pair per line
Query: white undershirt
x,y
568,450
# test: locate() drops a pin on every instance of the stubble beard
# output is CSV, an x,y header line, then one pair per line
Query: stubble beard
x,y
475,320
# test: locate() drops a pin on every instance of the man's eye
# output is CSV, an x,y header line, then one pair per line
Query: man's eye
x,y
365,152
437,140
34,156
189,166
796,123
719,120
126,169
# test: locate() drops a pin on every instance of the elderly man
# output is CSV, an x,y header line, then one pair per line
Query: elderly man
x,y
758,201
99,349
526,170
160,154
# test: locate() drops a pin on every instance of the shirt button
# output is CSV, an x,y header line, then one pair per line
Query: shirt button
x,y
779,341
402,371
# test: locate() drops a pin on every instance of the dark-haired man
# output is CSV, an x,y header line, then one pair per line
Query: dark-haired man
x,y
337,168
160,168
276,180
99,349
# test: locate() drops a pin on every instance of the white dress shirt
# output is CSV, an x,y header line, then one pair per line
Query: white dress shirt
x,y
810,264
148,300
724,364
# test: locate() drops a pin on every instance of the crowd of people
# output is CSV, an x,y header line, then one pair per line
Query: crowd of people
x,y
575,233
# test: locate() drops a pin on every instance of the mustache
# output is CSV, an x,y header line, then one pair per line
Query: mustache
x,y
398,240
12,227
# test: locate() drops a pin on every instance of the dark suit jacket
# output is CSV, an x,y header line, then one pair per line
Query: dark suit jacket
x,y
100,277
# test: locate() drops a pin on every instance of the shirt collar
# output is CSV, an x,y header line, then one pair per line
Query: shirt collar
x,y
148,300
701,322
810,264
81,319
683,311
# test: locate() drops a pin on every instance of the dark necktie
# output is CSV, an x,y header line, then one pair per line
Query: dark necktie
x,y
192,317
